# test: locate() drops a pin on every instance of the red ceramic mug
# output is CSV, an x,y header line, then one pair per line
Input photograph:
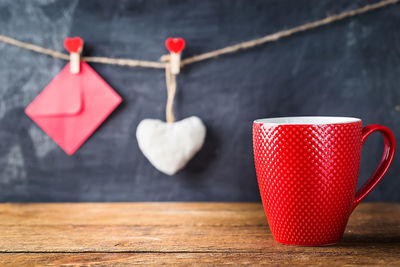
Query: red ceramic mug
x,y
307,171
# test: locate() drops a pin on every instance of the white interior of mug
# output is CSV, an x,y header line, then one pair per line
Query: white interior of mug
x,y
308,120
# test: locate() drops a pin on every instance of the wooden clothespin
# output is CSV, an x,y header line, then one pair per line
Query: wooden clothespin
x,y
74,46
175,46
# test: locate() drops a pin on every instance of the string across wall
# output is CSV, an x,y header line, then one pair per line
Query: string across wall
x,y
164,62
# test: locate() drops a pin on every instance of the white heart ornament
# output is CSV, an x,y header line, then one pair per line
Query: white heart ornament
x,y
170,146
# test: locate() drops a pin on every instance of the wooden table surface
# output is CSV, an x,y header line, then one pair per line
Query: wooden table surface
x,y
181,234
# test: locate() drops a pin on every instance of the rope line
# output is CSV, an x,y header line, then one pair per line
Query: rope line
x,y
165,60
212,54
285,33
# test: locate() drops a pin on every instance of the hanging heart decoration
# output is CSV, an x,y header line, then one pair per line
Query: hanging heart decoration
x,y
170,145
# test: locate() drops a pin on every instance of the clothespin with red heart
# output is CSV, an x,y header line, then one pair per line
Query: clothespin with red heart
x,y
74,46
175,46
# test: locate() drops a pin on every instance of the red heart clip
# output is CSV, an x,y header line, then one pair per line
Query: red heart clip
x,y
73,45
175,45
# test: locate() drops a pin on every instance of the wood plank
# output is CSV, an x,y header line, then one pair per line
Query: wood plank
x,y
75,238
190,259
174,239
147,213
214,233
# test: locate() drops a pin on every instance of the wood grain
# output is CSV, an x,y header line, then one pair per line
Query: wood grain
x,y
181,233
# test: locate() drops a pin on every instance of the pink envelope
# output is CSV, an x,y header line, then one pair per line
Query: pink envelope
x,y
72,106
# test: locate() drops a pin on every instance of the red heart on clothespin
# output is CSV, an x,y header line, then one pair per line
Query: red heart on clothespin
x,y
73,45
175,45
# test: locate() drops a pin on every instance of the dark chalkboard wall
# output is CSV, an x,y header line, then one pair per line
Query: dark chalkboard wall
x,y
349,68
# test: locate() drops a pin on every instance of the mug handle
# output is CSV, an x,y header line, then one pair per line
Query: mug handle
x,y
386,160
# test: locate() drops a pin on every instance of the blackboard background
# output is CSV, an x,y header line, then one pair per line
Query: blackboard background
x,y
348,68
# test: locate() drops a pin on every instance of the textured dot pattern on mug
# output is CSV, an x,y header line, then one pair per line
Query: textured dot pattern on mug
x,y
304,186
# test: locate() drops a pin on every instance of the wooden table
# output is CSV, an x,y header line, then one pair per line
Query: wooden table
x,y
181,233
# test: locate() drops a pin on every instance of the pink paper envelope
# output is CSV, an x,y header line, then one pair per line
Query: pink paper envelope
x,y
72,106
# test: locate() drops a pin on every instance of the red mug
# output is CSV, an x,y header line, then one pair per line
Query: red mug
x,y
307,171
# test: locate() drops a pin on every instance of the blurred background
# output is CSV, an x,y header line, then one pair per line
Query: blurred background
x,y
348,68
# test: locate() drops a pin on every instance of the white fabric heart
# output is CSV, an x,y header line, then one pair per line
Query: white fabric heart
x,y
169,146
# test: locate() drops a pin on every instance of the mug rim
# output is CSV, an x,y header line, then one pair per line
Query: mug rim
x,y
307,120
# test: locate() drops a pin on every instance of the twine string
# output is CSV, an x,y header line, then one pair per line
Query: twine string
x,y
170,80
285,33
126,62
212,54
165,63
32,47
